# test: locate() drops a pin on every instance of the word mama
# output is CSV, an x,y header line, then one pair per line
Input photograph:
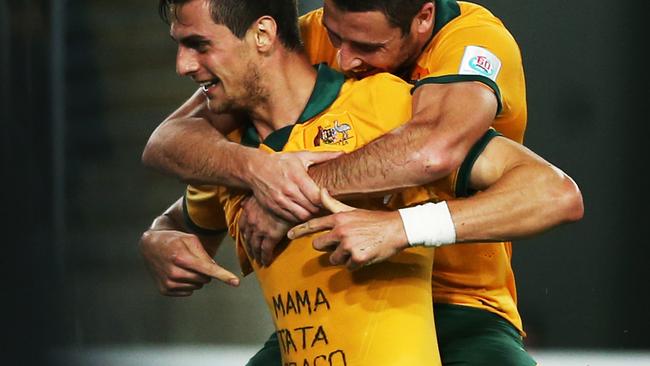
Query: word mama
x,y
298,302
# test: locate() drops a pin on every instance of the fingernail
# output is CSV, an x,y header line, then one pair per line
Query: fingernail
x,y
290,234
233,282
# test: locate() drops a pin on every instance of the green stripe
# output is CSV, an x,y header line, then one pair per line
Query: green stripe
x,y
449,79
465,170
196,229
278,138
250,137
326,90
446,11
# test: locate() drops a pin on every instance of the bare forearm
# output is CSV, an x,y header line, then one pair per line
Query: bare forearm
x,y
526,201
390,162
428,147
191,145
195,152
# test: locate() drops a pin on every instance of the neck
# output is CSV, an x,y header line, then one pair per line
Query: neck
x,y
289,81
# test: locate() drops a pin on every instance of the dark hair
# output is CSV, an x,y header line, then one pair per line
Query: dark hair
x,y
238,15
400,13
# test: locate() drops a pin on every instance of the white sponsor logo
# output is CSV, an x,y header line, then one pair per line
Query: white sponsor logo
x,y
479,61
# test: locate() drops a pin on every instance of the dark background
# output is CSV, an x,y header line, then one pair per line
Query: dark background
x,y
84,83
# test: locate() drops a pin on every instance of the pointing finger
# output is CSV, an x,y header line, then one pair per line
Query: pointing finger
x,y
204,264
311,226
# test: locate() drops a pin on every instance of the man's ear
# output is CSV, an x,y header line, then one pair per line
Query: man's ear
x,y
265,33
424,19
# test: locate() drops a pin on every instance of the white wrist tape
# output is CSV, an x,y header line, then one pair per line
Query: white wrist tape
x,y
428,225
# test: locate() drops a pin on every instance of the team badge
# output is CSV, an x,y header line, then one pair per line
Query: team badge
x,y
479,61
334,133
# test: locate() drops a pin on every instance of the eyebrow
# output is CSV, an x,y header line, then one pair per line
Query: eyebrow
x,y
191,40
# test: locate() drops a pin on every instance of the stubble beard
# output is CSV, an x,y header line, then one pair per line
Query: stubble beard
x,y
252,94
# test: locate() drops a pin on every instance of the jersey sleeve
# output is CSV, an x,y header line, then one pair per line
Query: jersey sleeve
x,y
485,52
210,210
462,186
203,211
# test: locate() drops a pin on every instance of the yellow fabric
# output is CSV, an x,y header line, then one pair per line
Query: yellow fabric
x,y
480,276
477,26
378,315
206,210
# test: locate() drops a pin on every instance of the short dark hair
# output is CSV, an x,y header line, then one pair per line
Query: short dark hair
x,y
400,13
238,15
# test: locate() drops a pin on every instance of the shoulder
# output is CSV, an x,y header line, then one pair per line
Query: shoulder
x,y
311,19
381,94
380,83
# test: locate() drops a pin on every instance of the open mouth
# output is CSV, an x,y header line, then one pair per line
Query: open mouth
x,y
207,85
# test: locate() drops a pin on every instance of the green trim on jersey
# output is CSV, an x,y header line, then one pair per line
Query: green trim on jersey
x,y
196,229
465,170
446,11
250,137
327,89
448,79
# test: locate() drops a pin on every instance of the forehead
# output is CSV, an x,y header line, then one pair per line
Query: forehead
x,y
192,17
365,27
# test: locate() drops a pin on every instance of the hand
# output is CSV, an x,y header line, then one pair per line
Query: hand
x,y
357,237
281,184
179,263
261,230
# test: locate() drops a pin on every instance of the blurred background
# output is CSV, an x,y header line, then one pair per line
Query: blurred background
x,y
83,85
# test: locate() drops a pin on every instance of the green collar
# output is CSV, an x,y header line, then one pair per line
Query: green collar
x,y
327,88
446,11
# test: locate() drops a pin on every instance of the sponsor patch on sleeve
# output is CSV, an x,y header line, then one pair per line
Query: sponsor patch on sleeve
x,y
479,61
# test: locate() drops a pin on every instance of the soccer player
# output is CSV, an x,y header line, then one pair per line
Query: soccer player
x,y
219,86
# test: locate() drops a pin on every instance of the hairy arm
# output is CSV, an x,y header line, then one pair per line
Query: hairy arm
x,y
191,145
521,195
447,120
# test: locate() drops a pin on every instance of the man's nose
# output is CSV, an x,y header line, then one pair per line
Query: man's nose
x,y
348,60
186,63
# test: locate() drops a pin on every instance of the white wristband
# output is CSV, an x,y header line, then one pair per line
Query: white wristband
x,y
428,225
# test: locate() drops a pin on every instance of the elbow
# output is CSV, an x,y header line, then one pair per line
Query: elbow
x,y
577,208
568,199
154,151
148,157
437,161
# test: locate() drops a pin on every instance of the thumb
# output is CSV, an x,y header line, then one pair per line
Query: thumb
x,y
311,158
332,203
206,265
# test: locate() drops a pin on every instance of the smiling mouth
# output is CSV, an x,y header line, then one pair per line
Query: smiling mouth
x,y
206,85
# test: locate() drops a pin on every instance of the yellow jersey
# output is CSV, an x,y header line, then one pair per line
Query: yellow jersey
x,y
468,44
378,315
